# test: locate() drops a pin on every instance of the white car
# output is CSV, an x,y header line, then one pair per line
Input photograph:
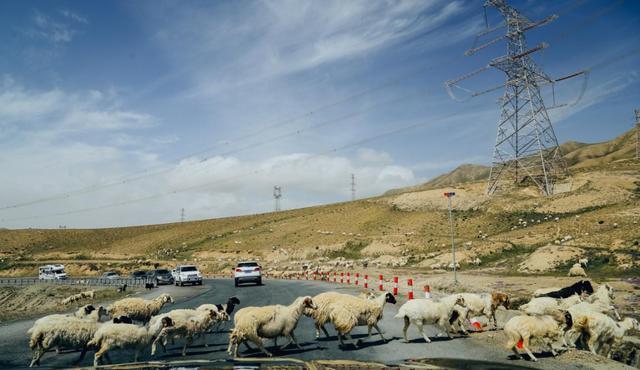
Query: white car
x,y
110,275
187,274
52,272
248,271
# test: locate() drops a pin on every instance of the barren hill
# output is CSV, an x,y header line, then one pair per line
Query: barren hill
x,y
597,217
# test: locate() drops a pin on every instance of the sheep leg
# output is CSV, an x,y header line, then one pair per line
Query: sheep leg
x,y
591,344
379,331
348,336
293,338
136,355
525,345
98,355
423,332
324,330
186,343
258,342
82,354
39,352
407,322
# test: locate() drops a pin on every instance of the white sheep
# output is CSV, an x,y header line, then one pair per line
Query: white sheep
x,y
577,270
582,310
349,312
254,323
583,262
422,312
186,323
60,331
545,328
603,331
111,335
90,312
139,309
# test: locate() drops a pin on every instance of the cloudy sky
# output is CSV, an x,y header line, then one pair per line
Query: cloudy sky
x,y
120,113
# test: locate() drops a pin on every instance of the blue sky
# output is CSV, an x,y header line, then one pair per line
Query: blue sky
x,y
207,105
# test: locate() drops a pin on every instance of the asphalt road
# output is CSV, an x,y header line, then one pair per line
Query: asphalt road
x,y
15,353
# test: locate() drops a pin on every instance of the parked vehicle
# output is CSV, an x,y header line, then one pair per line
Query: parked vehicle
x,y
248,271
139,274
187,274
111,275
52,272
161,276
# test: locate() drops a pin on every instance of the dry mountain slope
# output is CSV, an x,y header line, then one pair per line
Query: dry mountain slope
x,y
576,154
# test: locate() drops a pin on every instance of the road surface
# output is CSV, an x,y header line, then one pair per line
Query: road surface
x,y
15,353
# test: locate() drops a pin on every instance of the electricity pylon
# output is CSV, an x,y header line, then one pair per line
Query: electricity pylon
x,y
277,194
526,148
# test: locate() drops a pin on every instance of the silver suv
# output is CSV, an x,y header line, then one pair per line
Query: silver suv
x,y
248,271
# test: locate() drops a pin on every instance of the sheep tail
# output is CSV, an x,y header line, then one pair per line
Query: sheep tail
x,y
35,339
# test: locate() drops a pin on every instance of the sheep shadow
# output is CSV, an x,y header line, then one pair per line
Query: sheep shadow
x,y
276,351
525,356
178,354
366,344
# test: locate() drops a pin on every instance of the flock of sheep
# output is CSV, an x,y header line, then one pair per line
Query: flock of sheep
x,y
552,316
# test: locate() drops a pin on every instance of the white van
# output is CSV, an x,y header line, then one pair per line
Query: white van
x,y
52,272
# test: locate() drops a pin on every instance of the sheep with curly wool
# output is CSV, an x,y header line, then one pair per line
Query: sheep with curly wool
x,y
187,323
350,311
604,332
577,270
139,309
544,328
423,312
123,336
254,323
320,314
583,309
224,310
60,331
91,312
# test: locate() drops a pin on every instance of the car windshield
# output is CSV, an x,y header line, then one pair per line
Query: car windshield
x,y
162,272
188,268
248,264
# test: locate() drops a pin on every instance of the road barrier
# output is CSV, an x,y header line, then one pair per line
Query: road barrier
x,y
366,281
348,278
74,281
427,291
381,284
342,278
410,283
395,285
357,279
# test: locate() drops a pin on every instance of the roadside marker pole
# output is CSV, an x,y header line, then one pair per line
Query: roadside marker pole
x,y
306,275
334,276
357,278
427,291
342,278
380,285
450,195
410,283
395,285
366,281
348,278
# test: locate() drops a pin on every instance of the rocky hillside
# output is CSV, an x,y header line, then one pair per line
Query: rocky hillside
x,y
576,154
598,217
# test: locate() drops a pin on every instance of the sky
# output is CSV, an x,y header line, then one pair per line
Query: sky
x,y
119,113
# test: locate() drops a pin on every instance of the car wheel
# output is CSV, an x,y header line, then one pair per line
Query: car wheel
x,y
236,282
259,281
181,283
200,282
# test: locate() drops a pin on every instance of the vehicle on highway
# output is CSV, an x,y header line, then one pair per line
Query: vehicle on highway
x,y
248,271
111,275
187,274
139,274
161,276
52,272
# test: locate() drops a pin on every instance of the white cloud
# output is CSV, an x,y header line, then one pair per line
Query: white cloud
x,y
74,16
52,29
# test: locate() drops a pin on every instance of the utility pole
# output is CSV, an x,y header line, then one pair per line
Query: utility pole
x,y
637,111
353,186
450,195
526,148
182,215
277,194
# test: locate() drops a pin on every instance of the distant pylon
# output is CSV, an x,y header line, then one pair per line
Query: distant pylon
x,y
277,194
526,147
353,186
637,111
182,215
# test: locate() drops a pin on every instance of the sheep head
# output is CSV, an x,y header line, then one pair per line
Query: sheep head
x,y
568,320
214,315
166,322
460,301
610,291
308,303
233,300
500,298
166,298
102,311
389,298
89,308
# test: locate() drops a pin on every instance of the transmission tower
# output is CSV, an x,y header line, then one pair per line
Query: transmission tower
x,y
182,215
526,148
353,186
637,112
277,194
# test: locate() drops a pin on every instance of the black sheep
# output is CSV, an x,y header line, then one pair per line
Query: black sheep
x,y
582,286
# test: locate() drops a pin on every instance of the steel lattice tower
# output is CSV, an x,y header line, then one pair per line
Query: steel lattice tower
x,y
277,194
526,149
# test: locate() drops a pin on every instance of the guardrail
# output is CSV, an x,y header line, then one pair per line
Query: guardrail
x,y
75,282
